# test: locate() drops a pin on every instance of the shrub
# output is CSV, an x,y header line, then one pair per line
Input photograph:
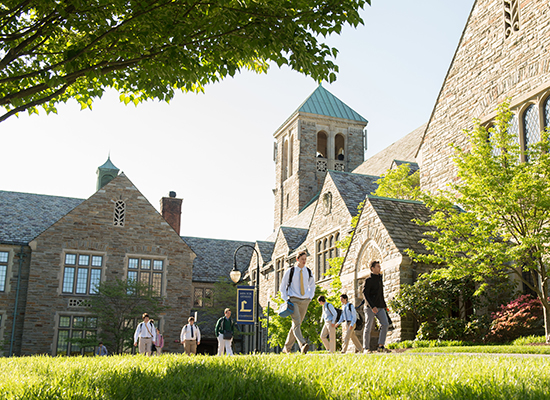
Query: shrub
x,y
522,316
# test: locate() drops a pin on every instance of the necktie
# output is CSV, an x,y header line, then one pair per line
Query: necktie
x,y
191,331
302,290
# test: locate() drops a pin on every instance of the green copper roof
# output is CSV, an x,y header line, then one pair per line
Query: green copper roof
x,y
322,102
108,165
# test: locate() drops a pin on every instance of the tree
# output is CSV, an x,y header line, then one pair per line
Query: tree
x,y
502,224
399,183
117,304
52,51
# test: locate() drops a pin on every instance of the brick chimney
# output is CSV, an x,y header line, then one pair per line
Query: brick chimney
x,y
170,209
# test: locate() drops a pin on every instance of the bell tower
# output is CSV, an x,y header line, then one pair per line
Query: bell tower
x,y
106,173
323,133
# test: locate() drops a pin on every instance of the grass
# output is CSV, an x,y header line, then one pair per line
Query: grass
x,y
276,377
518,346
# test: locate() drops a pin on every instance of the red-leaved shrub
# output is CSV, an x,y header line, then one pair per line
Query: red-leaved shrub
x,y
521,317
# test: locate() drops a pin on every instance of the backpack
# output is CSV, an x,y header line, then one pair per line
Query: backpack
x,y
338,313
292,275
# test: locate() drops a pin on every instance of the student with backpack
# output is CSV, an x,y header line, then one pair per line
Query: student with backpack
x,y
330,316
348,320
297,287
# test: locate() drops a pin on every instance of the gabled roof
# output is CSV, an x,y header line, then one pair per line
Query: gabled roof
x,y
404,149
413,166
397,217
215,257
322,102
294,236
266,250
24,216
353,188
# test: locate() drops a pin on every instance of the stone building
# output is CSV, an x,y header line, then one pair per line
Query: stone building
x,y
56,250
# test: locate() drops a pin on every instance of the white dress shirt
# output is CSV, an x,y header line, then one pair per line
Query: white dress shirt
x,y
294,288
348,314
186,333
145,332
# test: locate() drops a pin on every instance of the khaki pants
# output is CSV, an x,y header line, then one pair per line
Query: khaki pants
x,y
348,334
330,331
295,333
145,345
190,347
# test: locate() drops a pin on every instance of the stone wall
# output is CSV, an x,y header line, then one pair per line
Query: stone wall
x,y
488,68
89,228
8,298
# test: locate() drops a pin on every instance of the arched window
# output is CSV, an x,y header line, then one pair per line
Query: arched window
x,y
322,144
531,130
546,111
339,146
284,163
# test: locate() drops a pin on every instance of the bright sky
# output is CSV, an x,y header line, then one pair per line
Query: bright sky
x,y
215,150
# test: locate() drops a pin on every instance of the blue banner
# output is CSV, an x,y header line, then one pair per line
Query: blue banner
x,y
246,306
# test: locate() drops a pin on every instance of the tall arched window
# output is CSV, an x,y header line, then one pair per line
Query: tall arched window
x,y
531,130
284,163
339,147
546,111
322,144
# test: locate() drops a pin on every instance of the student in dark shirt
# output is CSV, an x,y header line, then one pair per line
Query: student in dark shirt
x,y
375,306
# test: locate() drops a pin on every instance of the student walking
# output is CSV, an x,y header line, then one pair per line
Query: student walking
x,y
190,337
329,328
348,318
146,334
298,287
225,328
375,306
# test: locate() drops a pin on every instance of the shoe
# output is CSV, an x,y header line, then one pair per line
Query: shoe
x,y
305,348
285,351
382,349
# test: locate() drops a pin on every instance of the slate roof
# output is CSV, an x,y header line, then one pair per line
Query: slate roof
x,y
353,187
397,215
294,236
24,216
215,257
266,250
413,166
404,149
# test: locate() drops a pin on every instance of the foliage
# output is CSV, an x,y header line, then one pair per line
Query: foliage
x,y
503,223
117,304
413,344
527,340
53,51
487,349
519,317
260,377
399,183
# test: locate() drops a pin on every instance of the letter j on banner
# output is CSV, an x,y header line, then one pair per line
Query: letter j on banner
x,y
245,305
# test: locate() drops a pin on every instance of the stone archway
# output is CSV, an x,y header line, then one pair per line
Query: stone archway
x,y
370,251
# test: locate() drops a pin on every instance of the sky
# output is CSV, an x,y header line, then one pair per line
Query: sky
x,y
215,150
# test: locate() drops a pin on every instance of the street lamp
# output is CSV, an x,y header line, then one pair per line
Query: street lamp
x,y
235,275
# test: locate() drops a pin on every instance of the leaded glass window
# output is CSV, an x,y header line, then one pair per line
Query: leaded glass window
x,y
81,273
531,130
546,110
4,257
326,249
74,335
139,269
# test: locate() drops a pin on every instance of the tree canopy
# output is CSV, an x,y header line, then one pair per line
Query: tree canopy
x,y
54,50
502,223
399,183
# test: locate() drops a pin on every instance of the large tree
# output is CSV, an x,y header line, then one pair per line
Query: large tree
x,y
502,221
54,50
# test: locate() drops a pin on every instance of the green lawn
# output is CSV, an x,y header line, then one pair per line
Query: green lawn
x,y
403,376
502,349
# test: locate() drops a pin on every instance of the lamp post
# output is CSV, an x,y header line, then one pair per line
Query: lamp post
x,y
235,275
